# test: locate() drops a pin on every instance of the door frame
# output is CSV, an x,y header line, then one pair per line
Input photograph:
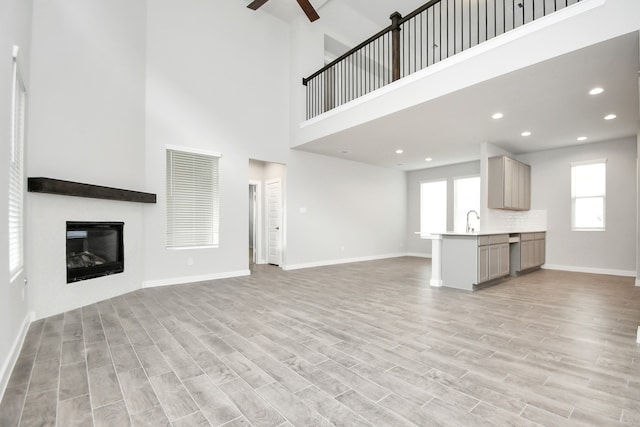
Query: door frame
x,y
258,233
281,230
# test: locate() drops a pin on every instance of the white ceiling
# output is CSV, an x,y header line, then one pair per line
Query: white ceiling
x,y
287,10
374,11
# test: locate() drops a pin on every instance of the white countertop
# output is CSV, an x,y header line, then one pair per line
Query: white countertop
x,y
475,233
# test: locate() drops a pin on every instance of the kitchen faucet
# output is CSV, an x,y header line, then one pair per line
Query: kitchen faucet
x,y
469,228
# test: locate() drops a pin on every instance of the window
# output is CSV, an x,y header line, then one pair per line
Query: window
x,y
16,172
588,193
192,199
466,197
433,207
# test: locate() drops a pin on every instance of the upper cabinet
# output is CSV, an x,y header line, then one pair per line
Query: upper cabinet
x,y
509,184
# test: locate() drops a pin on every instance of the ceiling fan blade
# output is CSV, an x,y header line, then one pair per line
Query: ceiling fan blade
x,y
308,10
255,4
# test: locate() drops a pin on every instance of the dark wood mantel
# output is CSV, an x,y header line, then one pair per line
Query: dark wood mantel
x,y
77,189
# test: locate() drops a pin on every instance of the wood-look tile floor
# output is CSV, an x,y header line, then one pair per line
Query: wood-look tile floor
x,y
352,345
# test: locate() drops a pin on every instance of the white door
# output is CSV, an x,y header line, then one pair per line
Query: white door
x,y
274,221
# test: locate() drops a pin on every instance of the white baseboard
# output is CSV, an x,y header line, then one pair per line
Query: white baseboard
x,y
577,269
340,261
12,358
418,255
193,279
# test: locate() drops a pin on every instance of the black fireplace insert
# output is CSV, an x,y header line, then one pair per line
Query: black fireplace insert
x,y
94,249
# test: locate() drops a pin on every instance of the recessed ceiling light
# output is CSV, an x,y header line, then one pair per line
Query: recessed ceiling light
x,y
497,116
345,152
428,159
526,133
610,117
582,138
399,151
596,91
399,164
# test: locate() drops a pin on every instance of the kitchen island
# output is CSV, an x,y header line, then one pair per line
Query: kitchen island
x,y
470,261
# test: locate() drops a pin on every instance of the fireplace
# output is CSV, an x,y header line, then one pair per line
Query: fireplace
x,y
94,249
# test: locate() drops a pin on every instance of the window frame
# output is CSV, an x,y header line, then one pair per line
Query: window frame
x,y
446,205
215,205
455,198
15,200
602,196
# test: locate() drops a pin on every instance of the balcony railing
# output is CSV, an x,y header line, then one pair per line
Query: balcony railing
x,y
430,34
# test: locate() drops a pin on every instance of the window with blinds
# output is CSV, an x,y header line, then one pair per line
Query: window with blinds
x,y
193,201
16,172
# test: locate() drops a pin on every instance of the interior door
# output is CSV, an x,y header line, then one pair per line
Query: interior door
x,y
252,223
274,221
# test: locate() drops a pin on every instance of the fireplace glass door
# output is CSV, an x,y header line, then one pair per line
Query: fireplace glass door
x,y
94,249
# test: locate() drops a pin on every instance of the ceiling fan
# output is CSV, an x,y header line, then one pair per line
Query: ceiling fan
x,y
304,4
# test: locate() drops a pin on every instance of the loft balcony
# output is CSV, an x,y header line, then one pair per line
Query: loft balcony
x,y
452,65
432,33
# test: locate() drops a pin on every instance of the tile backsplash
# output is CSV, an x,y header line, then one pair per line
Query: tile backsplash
x,y
503,220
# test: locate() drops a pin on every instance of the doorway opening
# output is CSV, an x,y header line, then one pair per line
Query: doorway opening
x,y
254,188
266,213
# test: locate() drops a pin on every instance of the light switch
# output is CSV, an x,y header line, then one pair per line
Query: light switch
x,y
303,210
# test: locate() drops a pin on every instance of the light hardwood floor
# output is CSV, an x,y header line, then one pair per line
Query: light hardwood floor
x,y
352,345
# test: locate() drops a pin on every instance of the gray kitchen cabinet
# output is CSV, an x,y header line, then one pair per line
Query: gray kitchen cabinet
x,y
504,260
493,257
528,253
509,184
471,261
483,264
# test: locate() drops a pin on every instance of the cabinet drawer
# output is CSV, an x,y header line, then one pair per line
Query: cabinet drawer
x,y
498,238
493,239
527,236
540,236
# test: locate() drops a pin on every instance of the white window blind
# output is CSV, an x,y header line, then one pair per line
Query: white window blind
x,y
192,200
588,195
16,172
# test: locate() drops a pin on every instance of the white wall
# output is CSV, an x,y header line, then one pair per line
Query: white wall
x,y
86,124
416,245
353,210
612,251
638,207
217,79
15,29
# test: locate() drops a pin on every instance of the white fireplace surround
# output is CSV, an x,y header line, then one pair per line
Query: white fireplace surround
x,y
47,214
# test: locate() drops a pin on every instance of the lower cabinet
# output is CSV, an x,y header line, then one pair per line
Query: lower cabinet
x,y
468,262
532,251
504,259
483,264
493,257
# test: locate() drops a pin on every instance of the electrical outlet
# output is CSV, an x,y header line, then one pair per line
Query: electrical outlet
x,y
189,261
341,248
